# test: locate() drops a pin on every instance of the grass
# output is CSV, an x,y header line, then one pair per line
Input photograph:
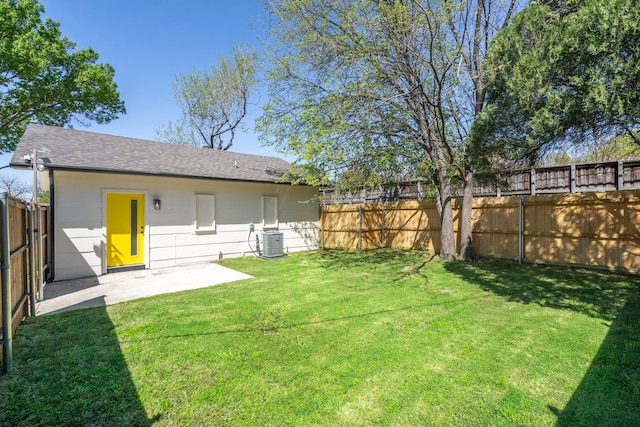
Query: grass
x,y
328,338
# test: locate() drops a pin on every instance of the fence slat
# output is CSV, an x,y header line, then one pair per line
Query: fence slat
x,y
19,260
585,229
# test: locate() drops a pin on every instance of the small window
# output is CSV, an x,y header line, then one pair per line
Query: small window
x,y
205,212
269,212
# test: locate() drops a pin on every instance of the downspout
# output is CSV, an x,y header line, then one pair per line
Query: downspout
x,y
6,284
51,262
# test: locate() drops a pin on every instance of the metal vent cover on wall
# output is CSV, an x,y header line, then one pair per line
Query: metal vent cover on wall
x,y
272,244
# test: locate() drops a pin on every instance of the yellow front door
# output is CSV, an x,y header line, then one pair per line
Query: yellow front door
x,y
125,229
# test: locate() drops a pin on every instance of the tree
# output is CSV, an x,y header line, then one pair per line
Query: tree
x,y
16,187
42,78
213,103
389,86
565,72
621,147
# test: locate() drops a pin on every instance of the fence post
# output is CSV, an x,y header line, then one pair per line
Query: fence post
x,y
32,259
6,284
322,226
521,232
620,175
382,224
360,229
533,182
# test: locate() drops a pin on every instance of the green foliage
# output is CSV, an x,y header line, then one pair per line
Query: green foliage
x,y
42,78
43,196
556,157
563,72
331,338
340,84
621,147
213,103
353,179
384,88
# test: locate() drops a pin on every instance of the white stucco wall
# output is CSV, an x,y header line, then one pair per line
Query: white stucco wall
x,y
171,239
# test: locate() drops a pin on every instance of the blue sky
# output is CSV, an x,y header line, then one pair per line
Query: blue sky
x,y
148,43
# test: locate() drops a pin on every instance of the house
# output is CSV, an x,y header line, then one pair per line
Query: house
x,y
125,203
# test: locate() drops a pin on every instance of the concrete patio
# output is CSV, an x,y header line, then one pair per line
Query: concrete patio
x,y
124,286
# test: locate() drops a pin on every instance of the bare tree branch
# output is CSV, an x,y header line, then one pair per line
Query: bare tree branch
x,y
213,103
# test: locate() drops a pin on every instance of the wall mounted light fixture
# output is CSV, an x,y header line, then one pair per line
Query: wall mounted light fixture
x,y
156,204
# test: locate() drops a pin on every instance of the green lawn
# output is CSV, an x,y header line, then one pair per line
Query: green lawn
x,y
328,338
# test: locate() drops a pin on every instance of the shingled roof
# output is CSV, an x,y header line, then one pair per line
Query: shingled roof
x,y
69,149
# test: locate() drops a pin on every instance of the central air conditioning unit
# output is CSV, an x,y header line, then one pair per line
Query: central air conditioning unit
x,y
272,244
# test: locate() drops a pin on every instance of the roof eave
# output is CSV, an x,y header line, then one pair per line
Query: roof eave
x,y
128,172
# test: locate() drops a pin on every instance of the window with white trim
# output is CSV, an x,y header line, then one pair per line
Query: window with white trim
x,y
205,212
269,212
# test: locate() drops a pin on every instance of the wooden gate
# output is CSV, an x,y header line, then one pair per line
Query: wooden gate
x,y
24,259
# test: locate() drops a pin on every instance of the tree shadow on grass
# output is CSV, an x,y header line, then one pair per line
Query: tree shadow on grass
x,y
338,259
609,393
69,370
596,294
342,260
395,265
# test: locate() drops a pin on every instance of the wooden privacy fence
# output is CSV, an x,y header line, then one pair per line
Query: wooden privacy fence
x,y
587,229
25,252
573,178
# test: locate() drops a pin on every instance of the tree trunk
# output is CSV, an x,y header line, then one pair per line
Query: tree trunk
x,y
466,250
447,240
